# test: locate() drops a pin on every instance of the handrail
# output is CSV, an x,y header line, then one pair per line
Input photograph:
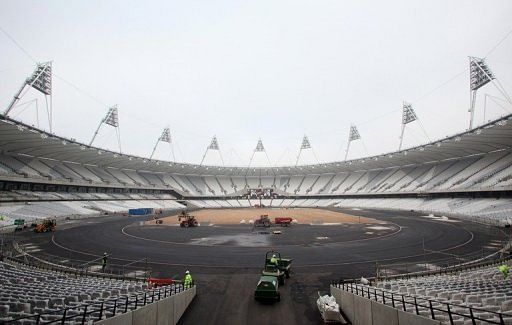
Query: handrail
x,y
89,262
64,268
137,261
106,308
397,299
448,270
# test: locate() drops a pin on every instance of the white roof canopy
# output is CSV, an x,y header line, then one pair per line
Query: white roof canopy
x,y
17,138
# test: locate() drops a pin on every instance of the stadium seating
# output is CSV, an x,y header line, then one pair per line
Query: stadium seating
x,y
484,288
74,209
490,211
26,291
493,170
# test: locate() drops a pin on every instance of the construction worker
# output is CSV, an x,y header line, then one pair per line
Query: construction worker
x,y
505,269
104,262
273,260
188,282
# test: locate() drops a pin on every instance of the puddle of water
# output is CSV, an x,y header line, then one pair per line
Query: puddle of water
x,y
378,228
325,224
249,240
440,218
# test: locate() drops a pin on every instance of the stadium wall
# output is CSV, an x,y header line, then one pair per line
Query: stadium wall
x,y
362,311
166,311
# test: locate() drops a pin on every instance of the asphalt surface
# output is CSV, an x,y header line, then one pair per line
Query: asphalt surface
x,y
226,261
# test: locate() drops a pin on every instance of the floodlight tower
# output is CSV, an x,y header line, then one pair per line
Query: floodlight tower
x,y
305,145
165,137
479,75
352,136
259,148
41,80
408,116
112,119
214,145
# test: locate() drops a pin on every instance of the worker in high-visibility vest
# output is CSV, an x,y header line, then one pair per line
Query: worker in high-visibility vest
x,y
188,282
274,261
504,269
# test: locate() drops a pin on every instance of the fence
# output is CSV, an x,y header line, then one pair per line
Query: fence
x,y
436,266
104,309
424,307
134,270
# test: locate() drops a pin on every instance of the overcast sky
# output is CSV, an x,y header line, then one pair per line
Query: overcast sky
x,y
243,70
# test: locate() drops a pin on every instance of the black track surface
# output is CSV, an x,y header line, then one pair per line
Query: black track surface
x,y
227,271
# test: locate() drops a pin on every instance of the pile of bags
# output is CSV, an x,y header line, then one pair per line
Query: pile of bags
x,y
328,307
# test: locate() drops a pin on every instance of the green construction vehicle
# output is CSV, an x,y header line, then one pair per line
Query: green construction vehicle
x,y
281,269
20,224
267,289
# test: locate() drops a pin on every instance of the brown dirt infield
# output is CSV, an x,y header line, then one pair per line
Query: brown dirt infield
x,y
301,215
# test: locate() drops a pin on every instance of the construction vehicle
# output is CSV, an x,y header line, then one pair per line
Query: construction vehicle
x,y
46,225
186,220
263,221
267,289
283,222
158,282
20,224
281,270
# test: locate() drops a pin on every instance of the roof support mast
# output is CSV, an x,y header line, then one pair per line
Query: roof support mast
x,y
214,145
479,75
41,80
408,116
165,137
259,148
112,119
353,135
305,145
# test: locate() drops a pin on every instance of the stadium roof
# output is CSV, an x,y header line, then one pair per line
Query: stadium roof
x,y
17,138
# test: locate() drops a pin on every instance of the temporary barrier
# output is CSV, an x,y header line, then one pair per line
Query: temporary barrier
x,y
140,211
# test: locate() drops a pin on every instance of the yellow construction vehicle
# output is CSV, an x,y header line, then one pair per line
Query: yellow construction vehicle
x,y
46,225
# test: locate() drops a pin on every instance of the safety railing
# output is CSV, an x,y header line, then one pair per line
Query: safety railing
x,y
447,269
85,313
79,267
430,308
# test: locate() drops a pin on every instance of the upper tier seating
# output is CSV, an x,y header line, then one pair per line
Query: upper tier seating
x,y
480,172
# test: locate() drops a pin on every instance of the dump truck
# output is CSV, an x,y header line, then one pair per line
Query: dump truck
x,y
283,221
267,289
264,221
186,220
46,225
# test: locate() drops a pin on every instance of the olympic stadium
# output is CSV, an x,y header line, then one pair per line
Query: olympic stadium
x,y
95,234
